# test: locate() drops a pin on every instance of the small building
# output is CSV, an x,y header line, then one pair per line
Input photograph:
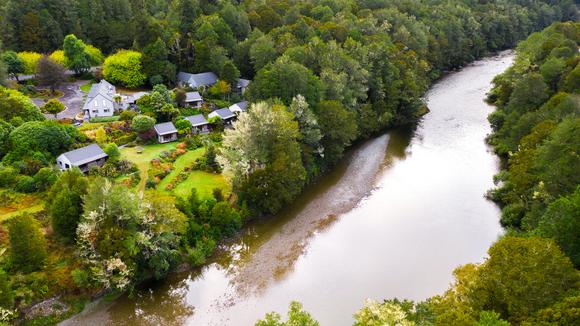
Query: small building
x,y
204,79
193,99
239,107
84,158
226,115
129,102
100,101
242,85
166,132
199,124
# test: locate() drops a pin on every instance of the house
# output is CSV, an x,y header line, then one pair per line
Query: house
x,y
199,124
84,158
204,79
193,99
242,85
239,107
226,115
166,132
100,100
130,101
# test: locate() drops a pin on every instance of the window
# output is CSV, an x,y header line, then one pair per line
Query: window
x,y
106,110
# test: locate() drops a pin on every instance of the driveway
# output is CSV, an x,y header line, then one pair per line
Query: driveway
x,y
73,100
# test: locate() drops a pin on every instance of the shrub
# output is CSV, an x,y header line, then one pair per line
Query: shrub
x,y
27,243
6,293
8,176
45,178
25,184
104,119
127,115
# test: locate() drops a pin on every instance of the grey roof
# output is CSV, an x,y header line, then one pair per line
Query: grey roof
x,y
197,120
243,83
240,106
222,113
196,80
193,97
85,154
165,128
103,88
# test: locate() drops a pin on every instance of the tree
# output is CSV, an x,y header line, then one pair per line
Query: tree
x,y
6,293
262,52
30,60
296,316
378,314
53,106
180,97
262,155
183,126
529,93
14,64
101,135
229,73
112,151
125,68
14,104
338,126
64,203
27,243
142,123
75,54
50,73
156,63
285,79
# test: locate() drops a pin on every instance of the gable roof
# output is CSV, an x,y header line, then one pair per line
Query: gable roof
x,y
197,120
103,88
193,97
165,128
243,83
196,80
222,113
84,155
239,107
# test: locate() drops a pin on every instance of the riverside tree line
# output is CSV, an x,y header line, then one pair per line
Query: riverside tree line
x,y
325,74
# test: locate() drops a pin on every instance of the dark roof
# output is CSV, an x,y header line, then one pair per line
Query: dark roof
x,y
193,97
85,154
197,120
196,80
223,114
165,128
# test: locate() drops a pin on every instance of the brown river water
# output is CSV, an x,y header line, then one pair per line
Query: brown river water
x,y
394,219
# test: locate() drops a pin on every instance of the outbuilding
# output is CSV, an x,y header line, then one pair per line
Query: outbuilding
x,y
193,99
166,132
199,125
225,115
83,158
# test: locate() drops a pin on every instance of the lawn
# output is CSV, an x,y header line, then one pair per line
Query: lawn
x,y
204,182
87,87
142,158
21,203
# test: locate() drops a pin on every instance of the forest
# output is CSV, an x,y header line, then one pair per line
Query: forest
x,y
325,74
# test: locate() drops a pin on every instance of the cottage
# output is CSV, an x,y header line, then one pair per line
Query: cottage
x,y
130,101
193,99
226,115
204,79
100,100
166,132
242,85
239,107
199,124
84,158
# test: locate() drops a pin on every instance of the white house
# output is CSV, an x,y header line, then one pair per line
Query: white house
x,y
226,115
199,124
239,107
100,100
166,132
84,158
193,99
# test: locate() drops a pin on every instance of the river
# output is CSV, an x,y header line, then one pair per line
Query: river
x,y
394,219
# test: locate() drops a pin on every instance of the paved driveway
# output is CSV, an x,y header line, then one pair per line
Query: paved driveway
x,y
73,100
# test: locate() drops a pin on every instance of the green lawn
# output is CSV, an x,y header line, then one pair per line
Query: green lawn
x,y
142,159
204,182
87,87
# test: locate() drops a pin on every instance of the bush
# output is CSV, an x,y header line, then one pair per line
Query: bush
x,y
104,119
8,176
45,178
127,115
6,293
27,243
25,184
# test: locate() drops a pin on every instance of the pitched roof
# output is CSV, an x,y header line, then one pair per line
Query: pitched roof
x,y
193,97
165,128
239,107
242,83
222,113
196,80
84,155
197,120
103,88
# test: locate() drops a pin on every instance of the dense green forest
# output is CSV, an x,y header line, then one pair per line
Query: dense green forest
x,y
531,276
324,75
